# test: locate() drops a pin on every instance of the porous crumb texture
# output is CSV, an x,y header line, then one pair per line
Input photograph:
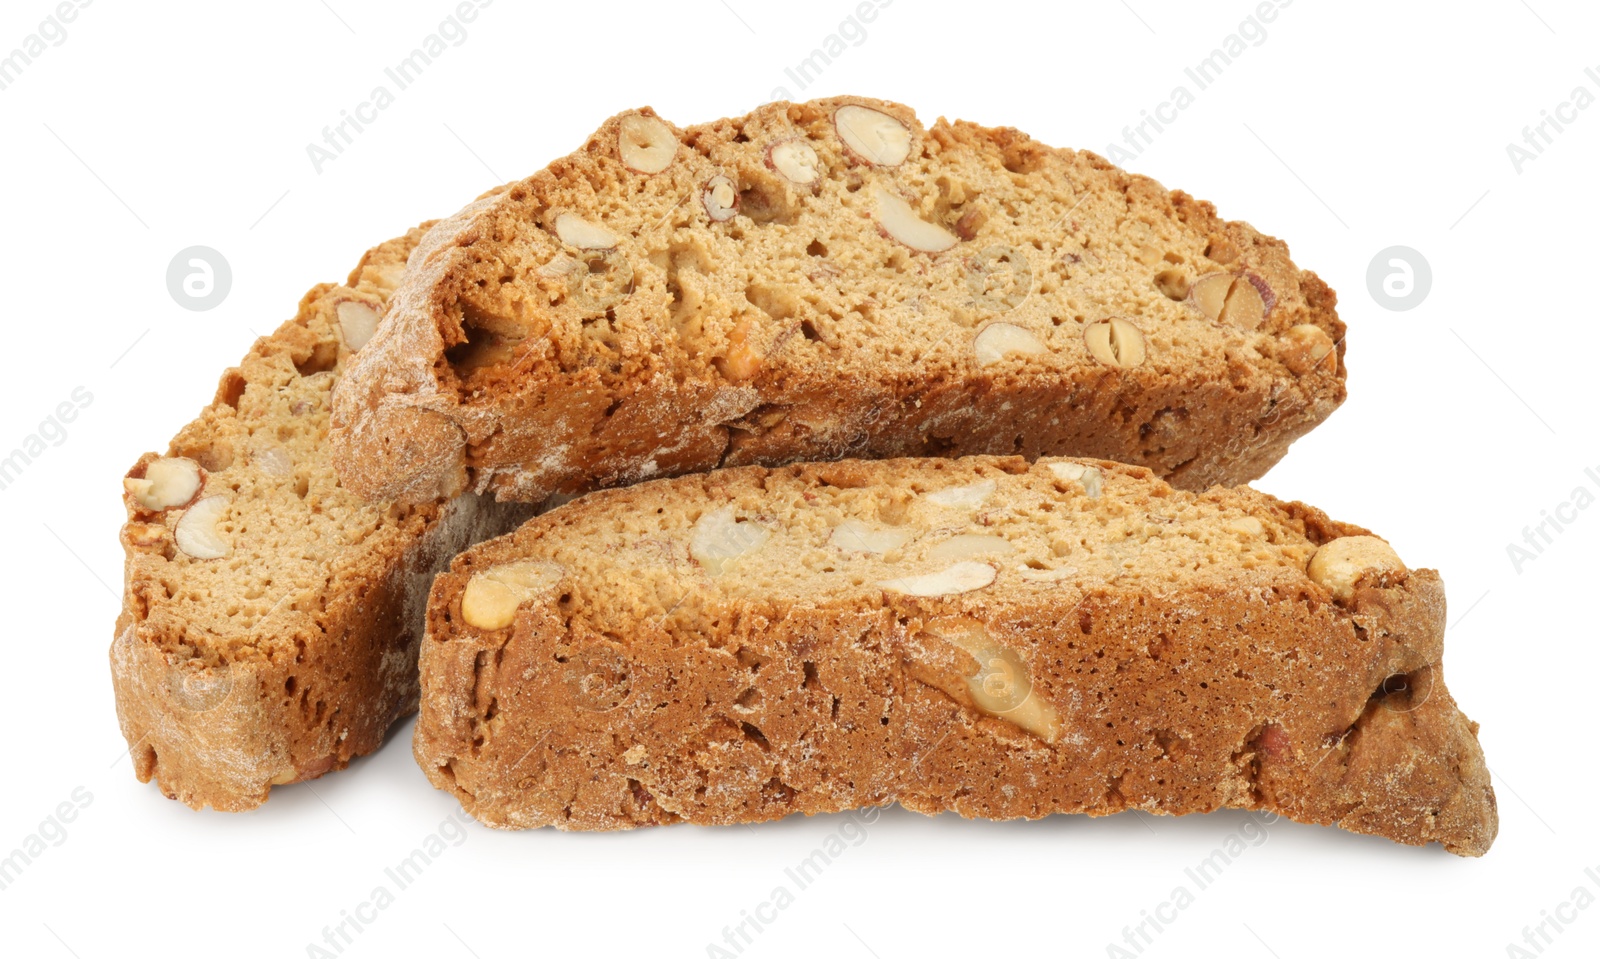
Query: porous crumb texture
x,y
986,635
271,618
831,279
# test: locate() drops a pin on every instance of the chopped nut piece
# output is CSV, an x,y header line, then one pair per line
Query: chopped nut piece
x,y
1339,564
1001,686
1302,348
856,536
645,144
968,545
720,540
998,340
167,482
1115,342
902,223
796,160
872,135
357,323
743,359
492,595
575,231
1231,298
960,578
197,534
1089,476
721,199
970,496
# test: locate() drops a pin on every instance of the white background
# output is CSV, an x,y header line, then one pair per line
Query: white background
x,y
1353,127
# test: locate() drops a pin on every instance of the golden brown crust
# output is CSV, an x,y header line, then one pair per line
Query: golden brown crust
x,y
737,342
296,652
1190,659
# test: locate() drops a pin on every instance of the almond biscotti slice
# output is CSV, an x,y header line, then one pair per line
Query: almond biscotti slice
x,y
827,279
979,635
271,618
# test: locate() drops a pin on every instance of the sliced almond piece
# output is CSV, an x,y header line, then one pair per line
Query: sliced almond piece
x,y
721,198
901,222
357,323
997,341
873,135
645,144
1115,342
969,545
960,578
720,540
796,160
167,482
492,595
1002,688
1089,476
855,536
574,230
970,496
197,534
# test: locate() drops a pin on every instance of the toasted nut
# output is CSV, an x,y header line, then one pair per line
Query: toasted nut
x,y
721,199
1247,525
1303,347
720,539
872,135
167,482
357,323
1235,299
1341,563
492,595
900,222
273,461
645,144
855,536
1115,342
968,545
997,341
1001,687
574,230
1090,476
971,496
197,532
796,160
960,578
1172,284
743,360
